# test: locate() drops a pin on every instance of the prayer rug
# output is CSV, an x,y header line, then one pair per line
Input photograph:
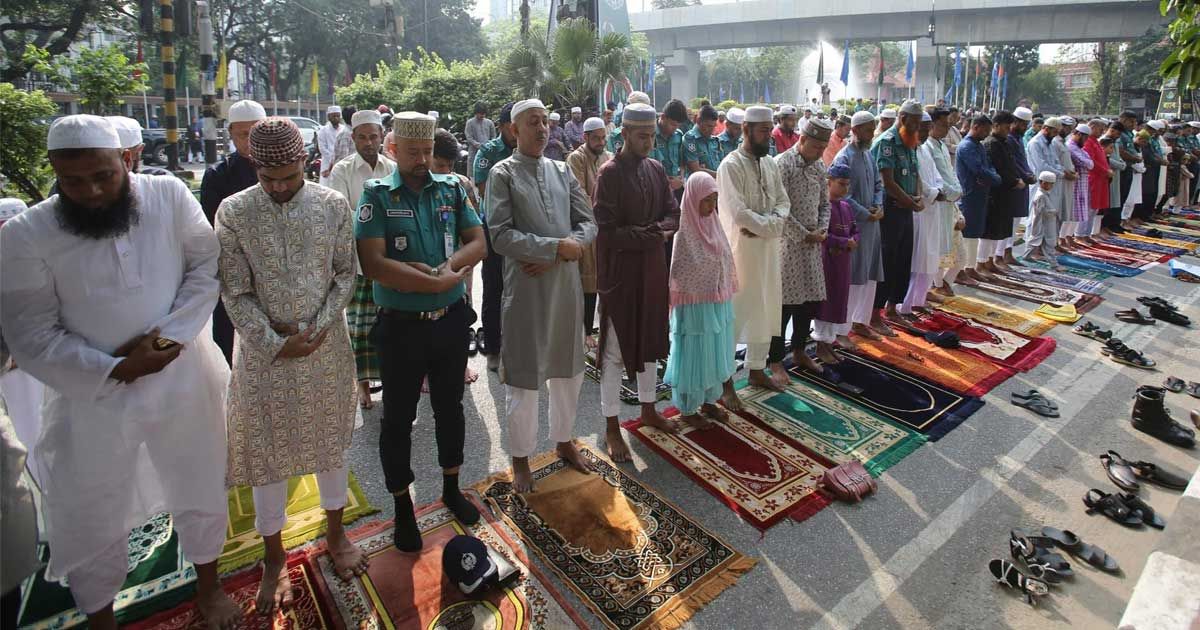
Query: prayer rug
x,y
158,579
1080,272
987,342
1190,236
909,400
629,391
957,371
308,611
402,590
1040,293
1178,241
835,429
1157,246
306,520
984,312
1118,255
1055,279
1089,264
629,554
746,465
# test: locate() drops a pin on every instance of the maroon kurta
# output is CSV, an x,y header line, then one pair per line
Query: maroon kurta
x,y
836,261
634,210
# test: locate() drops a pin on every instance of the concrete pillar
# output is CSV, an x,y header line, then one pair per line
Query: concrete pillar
x,y
684,67
925,83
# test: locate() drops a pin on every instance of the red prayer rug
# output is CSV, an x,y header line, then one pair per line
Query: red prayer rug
x,y
743,463
1120,256
1040,293
987,342
957,371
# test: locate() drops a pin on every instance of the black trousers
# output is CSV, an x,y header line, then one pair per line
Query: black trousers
x,y
896,232
589,312
1111,219
222,331
1126,184
409,350
10,604
493,293
801,316
1144,209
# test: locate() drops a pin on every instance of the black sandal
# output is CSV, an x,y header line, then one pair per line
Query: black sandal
x,y
1069,542
1129,356
1193,389
1092,331
1039,556
1170,316
1153,473
1111,506
1173,384
1035,402
1147,513
1157,301
1120,471
1133,316
1008,574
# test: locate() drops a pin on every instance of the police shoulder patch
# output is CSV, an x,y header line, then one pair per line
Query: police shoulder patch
x,y
886,149
365,213
481,162
691,147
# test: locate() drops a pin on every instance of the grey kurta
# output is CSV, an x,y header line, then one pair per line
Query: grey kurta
x,y
532,204
866,191
808,191
1064,191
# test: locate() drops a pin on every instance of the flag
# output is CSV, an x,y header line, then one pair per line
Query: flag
x,y
879,75
137,73
766,92
650,77
742,89
958,67
1003,90
820,63
222,71
314,84
911,69
845,78
949,94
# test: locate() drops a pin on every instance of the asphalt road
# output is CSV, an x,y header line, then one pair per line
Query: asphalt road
x,y
915,555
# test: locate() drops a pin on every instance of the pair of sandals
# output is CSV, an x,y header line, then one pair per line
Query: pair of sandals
x,y
1165,311
1034,401
1129,475
1092,331
1134,316
1124,508
1178,386
1116,350
1046,565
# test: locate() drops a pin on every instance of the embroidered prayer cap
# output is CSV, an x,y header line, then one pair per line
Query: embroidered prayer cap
x,y
1083,129
1067,121
637,97
10,207
593,124
861,118
414,126
1194,124
555,116
787,110
911,107
925,117
1047,176
817,129
887,113
245,111
128,130
82,131
735,115
639,115
333,109
523,106
1023,113
839,171
1053,122
275,142
576,110
505,114
758,114
366,117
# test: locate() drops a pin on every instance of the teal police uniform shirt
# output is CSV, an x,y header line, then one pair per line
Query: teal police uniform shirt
x,y
422,227
669,151
488,156
615,141
889,152
726,145
706,151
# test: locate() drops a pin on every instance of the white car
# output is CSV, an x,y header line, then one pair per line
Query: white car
x,y
308,128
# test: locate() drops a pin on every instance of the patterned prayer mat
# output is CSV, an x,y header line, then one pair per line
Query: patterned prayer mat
x,y
1178,241
1114,254
307,612
897,396
1159,247
957,371
992,314
746,465
835,429
1021,273
987,342
1081,272
403,590
1088,264
306,520
158,579
629,392
1040,293
633,557
1179,234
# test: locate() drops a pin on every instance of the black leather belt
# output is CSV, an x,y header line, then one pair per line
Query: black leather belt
x,y
429,316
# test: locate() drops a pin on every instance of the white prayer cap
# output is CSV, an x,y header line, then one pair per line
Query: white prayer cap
x,y
925,117
576,110
128,130
758,114
887,113
1023,113
639,115
523,106
1053,122
861,118
637,97
1195,124
593,124
366,117
433,113
735,115
246,111
911,107
555,116
1157,125
82,131
1067,121
333,109
10,207
1083,129
787,110
1047,176
414,126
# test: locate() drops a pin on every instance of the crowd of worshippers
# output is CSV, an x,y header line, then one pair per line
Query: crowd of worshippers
x,y
189,346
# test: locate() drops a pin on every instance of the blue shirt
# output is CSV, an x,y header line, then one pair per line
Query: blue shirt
x,y
726,144
705,150
489,154
669,151
890,153
975,175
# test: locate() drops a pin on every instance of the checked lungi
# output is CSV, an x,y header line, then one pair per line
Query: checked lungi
x,y
360,317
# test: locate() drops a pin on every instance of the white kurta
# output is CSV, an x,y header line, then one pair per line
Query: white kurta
x,y
750,196
333,143
111,455
349,176
927,224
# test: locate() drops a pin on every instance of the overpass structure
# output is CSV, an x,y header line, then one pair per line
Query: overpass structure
x,y
677,35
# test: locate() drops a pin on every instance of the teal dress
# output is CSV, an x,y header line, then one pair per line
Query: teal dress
x,y
702,349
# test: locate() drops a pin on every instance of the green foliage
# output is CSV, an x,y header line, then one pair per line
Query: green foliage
x,y
52,25
773,67
1040,86
726,105
571,68
23,141
100,75
1184,31
1142,59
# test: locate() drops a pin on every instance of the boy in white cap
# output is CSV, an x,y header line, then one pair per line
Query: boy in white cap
x,y
574,128
330,142
102,286
556,146
1044,217
887,118
729,139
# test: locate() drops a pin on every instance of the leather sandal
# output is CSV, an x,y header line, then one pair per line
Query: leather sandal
x,y
1193,389
1170,316
1008,574
1173,384
1039,556
1151,301
1139,506
1120,471
1129,356
1147,471
1133,316
1113,507
1071,543
1092,331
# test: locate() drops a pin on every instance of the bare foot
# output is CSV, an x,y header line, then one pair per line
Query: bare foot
x,y
1009,260
999,265
865,331
806,363
846,342
1195,415
591,342
522,476
730,399
714,412
696,421
570,454
348,559
364,395
826,355
944,291
779,374
651,418
934,296
1033,256
614,442
219,611
974,274
759,378
275,590
470,376
1062,250
881,327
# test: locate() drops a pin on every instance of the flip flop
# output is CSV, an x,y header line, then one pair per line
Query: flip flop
x,y
1176,385
1119,471
1141,507
1155,474
1071,543
1008,574
1168,315
1110,505
1132,316
1193,389
1092,331
1033,393
1036,404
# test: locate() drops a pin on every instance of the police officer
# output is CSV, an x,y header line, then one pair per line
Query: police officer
x,y
668,143
489,155
701,149
895,151
418,239
728,140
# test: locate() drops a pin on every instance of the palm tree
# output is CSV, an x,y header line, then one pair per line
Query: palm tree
x,y
524,19
571,68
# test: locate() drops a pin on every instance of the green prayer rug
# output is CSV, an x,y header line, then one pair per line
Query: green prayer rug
x,y
830,426
1087,274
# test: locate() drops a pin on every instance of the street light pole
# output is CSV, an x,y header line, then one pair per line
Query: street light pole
x,y
208,85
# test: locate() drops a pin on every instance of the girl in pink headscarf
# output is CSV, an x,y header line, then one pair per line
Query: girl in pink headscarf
x,y
702,283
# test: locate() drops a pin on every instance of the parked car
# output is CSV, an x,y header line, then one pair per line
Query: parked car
x,y
155,153
308,128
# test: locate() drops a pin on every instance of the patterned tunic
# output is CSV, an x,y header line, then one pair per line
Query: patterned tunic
x,y
287,264
1083,164
808,191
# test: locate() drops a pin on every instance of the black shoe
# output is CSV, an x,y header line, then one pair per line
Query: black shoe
x,y
472,343
1150,416
480,346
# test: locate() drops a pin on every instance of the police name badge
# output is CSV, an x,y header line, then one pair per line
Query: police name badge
x,y
401,243
365,212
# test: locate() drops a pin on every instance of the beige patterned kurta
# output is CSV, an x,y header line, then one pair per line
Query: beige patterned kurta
x,y
287,264
807,189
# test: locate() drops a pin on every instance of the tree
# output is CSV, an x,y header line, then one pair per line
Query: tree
x,y
23,140
573,67
1040,87
1105,68
1184,30
1143,58
52,26
100,75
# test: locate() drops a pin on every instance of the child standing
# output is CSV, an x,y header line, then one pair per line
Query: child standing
x,y
830,324
1045,218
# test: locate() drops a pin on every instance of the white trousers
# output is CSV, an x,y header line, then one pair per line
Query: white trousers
x,y
1007,243
1067,229
1084,228
756,355
610,377
860,304
270,501
523,414
919,285
96,584
828,332
985,250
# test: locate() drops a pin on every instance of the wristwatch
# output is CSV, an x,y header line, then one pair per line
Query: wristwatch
x,y
437,271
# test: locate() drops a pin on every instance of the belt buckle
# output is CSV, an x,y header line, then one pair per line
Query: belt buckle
x,y
433,316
